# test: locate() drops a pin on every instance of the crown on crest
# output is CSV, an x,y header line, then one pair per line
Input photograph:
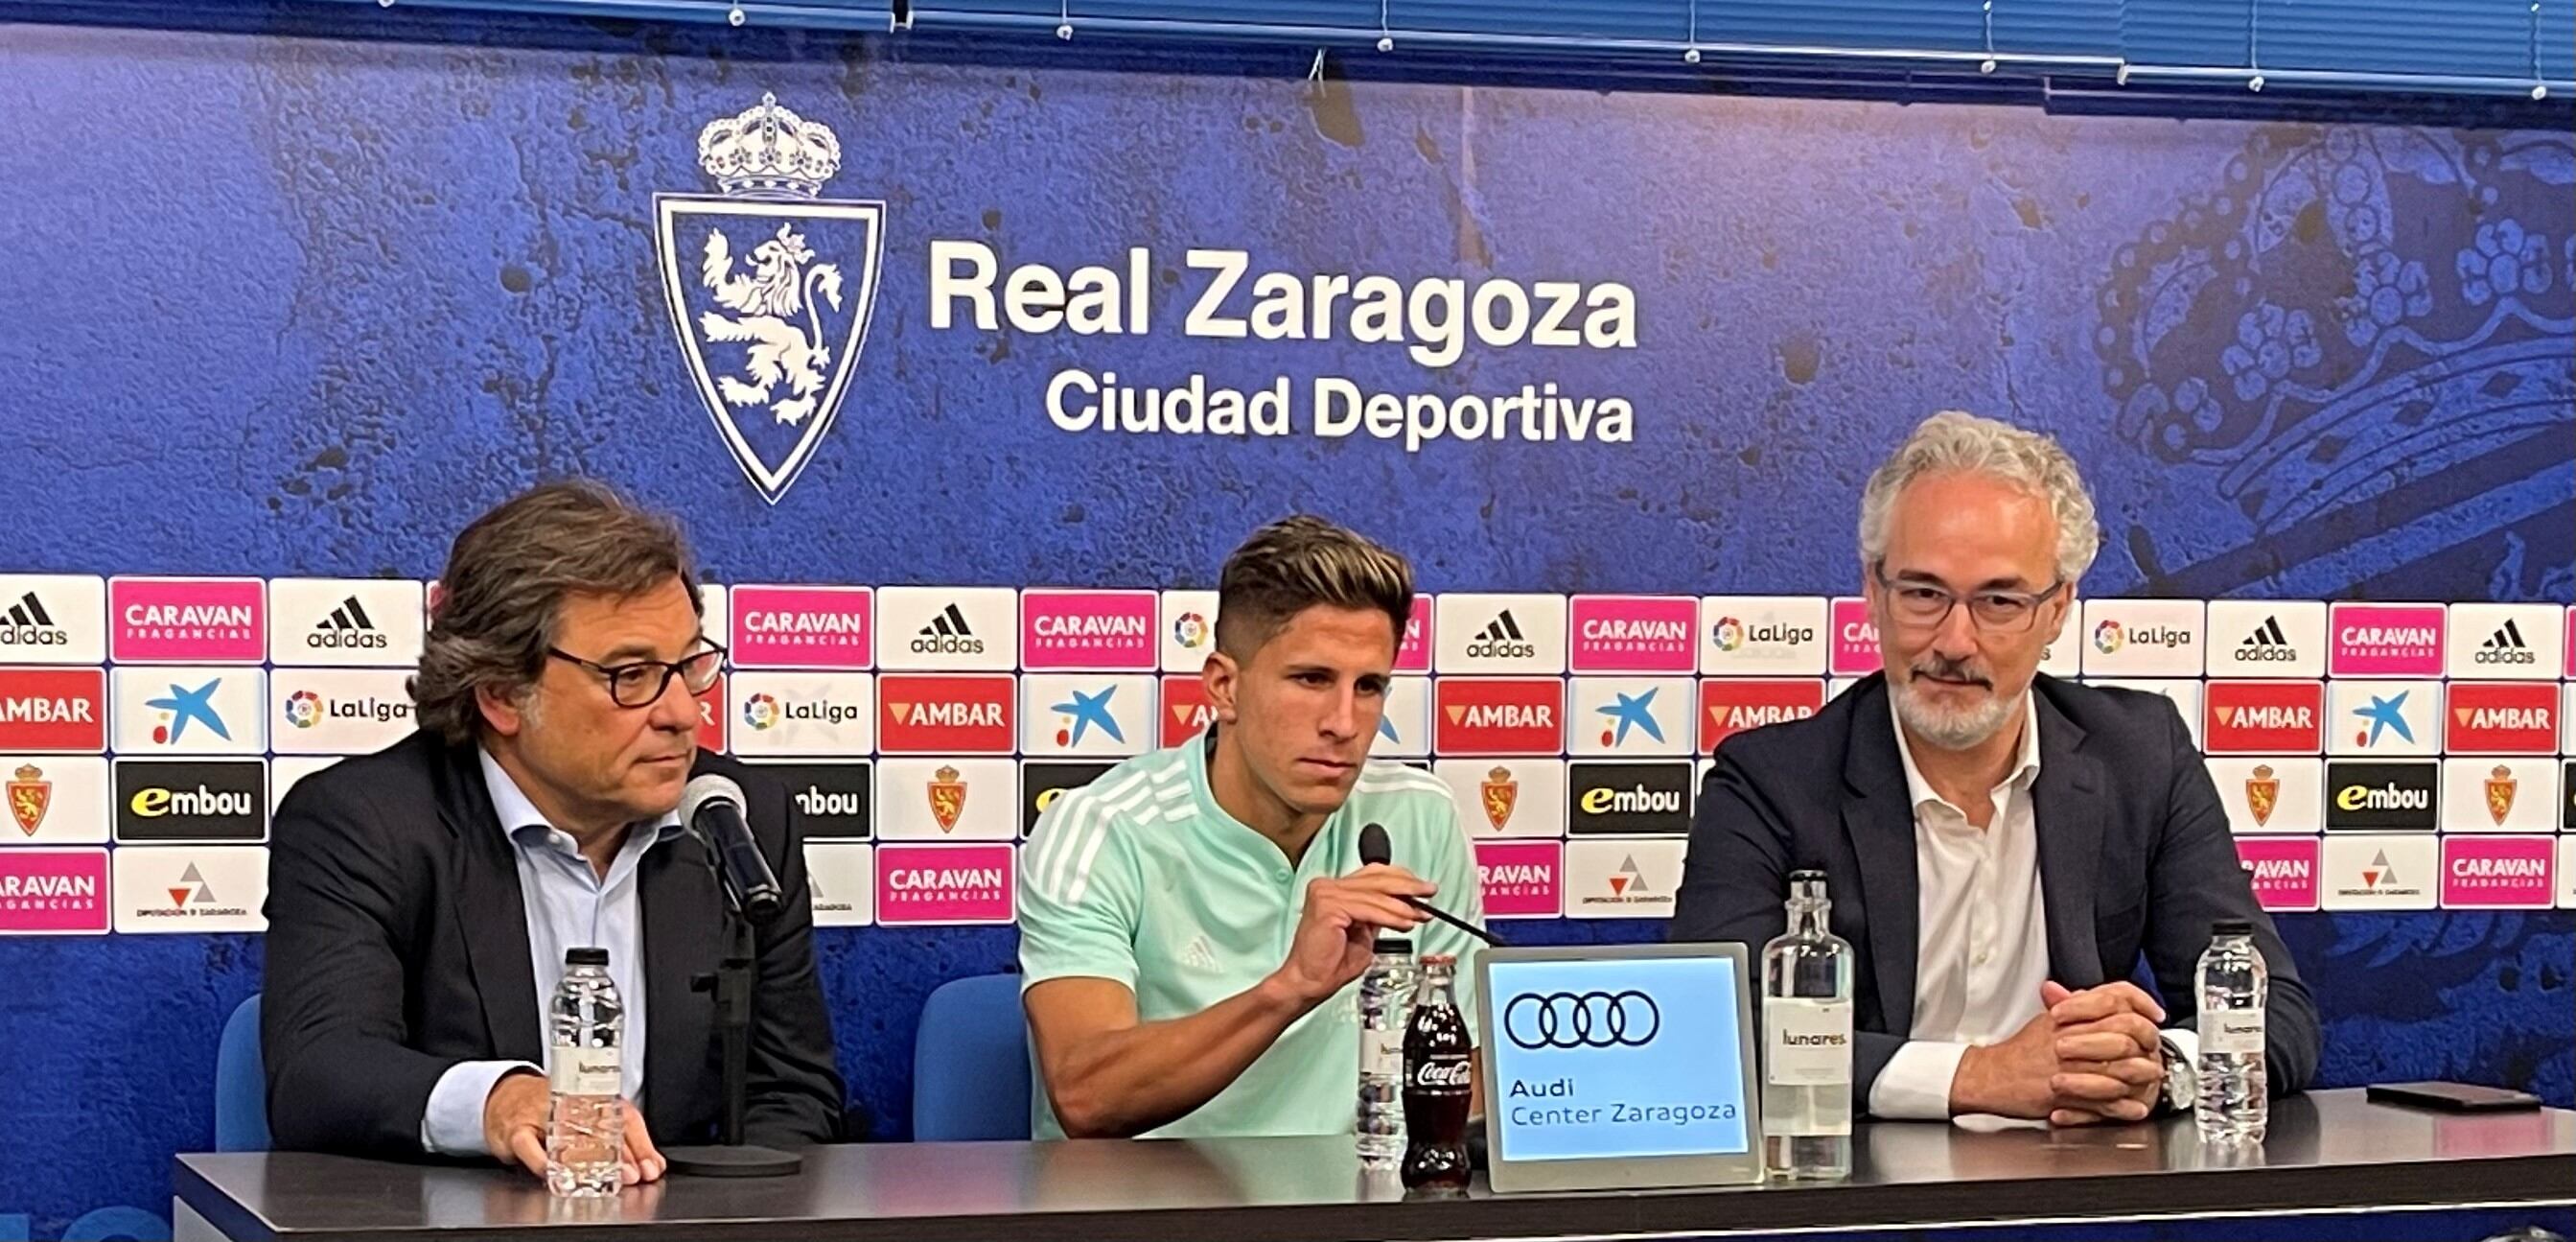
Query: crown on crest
x,y
767,151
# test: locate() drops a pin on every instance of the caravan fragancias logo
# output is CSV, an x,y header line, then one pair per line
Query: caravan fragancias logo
x,y
770,286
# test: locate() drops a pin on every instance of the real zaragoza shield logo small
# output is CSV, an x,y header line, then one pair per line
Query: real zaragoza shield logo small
x,y
770,286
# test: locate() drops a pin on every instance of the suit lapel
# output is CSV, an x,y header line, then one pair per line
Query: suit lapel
x,y
490,910
1879,820
684,934
2067,811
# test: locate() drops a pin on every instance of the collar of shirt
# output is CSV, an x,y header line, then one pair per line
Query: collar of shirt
x,y
1920,792
1225,832
529,827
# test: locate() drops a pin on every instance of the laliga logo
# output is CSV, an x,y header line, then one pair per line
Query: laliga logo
x,y
1627,1019
1729,633
2107,637
304,709
760,711
1190,630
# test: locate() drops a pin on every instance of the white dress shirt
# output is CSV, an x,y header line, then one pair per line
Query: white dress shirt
x,y
1983,947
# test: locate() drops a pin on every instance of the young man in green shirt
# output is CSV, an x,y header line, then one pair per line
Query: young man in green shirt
x,y
1194,923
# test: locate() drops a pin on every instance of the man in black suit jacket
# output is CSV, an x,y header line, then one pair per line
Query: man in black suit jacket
x,y
420,898
2000,847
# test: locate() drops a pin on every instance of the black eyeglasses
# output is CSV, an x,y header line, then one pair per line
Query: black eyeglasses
x,y
642,682
1916,604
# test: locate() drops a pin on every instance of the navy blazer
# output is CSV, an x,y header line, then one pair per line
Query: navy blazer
x,y
2135,857
398,946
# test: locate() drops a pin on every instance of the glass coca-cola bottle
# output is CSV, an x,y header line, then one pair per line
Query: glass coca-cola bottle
x,y
1438,1083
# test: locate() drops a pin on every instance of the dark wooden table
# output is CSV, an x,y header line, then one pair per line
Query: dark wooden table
x,y
2327,1152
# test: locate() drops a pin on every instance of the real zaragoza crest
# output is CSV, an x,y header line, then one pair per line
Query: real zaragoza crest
x,y
770,286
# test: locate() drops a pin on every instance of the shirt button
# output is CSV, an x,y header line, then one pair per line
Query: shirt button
x,y
1284,877
1982,956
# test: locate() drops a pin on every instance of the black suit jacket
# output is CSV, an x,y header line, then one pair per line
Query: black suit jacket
x,y
2135,855
398,946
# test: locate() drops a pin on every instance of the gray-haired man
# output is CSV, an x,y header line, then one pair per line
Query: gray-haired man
x,y
2001,847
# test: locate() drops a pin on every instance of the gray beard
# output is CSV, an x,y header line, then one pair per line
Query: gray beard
x,y
1949,729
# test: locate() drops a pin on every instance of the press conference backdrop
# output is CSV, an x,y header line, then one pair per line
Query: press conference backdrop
x,y
289,307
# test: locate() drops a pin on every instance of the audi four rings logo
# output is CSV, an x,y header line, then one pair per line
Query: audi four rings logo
x,y
1582,1020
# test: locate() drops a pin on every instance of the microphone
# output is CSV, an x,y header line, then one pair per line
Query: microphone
x,y
1374,851
712,808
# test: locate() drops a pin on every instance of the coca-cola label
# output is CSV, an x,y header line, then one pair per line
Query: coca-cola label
x,y
1441,1071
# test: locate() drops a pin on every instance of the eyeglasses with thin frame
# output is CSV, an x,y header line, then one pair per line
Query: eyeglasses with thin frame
x,y
1917,604
641,683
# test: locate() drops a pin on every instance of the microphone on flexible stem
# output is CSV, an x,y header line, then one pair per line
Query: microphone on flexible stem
x,y
711,806
1375,851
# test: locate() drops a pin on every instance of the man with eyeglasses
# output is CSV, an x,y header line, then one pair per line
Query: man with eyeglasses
x,y
2002,848
421,898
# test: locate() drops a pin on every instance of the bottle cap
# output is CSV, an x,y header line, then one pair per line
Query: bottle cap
x,y
1804,874
1393,944
2232,927
1440,961
585,957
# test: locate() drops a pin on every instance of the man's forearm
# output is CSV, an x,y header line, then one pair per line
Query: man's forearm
x,y
1119,1084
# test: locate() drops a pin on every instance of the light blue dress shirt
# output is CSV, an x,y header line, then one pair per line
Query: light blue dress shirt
x,y
569,905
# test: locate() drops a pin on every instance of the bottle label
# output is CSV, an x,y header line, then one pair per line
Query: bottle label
x,y
1442,1072
2232,1032
585,1071
1382,1053
1809,1042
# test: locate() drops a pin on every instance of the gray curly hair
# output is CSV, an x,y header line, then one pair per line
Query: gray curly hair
x,y
1954,441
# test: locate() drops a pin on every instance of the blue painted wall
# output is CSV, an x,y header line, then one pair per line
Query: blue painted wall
x,y
301,300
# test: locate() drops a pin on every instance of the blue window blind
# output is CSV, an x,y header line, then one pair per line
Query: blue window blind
x,y
2438,42
2497,47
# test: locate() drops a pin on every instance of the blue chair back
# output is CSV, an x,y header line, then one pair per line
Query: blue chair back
x,y
970,1062
241,1083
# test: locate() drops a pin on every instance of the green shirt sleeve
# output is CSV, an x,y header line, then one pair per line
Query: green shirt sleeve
x,y
1079,896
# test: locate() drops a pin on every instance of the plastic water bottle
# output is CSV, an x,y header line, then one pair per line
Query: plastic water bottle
x,y
586,1119
1807,1041
2234,1104
1386,995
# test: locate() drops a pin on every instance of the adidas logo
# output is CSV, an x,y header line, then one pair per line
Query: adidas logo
x,y
27,624
2266,644
948,634
2505,646
348,627
1501,639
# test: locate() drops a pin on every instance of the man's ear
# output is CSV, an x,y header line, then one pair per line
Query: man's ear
x,y
1222,677
505,712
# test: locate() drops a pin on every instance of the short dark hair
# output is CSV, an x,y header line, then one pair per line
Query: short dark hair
x,y
507,576
1294,564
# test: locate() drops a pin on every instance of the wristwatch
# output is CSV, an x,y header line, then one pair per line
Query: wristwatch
x,y
2182,1083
